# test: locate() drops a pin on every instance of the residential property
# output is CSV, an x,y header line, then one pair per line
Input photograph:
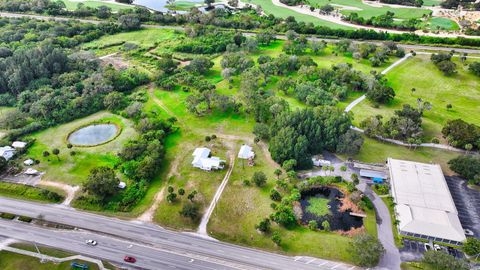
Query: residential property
x,y
7,152
423,204
19,145
246,152
203,160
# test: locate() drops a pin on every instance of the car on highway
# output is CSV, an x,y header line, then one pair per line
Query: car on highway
x,y
91,242
130,259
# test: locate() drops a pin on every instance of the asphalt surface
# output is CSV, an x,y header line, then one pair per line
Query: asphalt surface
x,y
405,46
153,240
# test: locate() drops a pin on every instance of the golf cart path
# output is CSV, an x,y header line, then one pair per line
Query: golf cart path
x,y
397,142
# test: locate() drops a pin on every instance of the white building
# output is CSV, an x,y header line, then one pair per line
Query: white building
x,y
202,160
423,204
122,185
18,144
29,162
7,152
246,152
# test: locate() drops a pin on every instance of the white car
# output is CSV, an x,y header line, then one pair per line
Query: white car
x,y
427,246
437,247
91,242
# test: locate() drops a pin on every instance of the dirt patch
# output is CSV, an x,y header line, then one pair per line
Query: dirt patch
x,y
117,61
147,216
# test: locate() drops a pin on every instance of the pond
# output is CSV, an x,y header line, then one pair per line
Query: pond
x,y
322,204
159,5
93,134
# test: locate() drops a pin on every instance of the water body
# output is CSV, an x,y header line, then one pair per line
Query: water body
x,y
338,220
158,5
93,134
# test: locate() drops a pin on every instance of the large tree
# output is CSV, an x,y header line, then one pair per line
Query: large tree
x,y
102,183
443,261
366,250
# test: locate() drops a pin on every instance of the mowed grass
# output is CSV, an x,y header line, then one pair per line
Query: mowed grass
x,y
281,12
184,175
462,90
437,23
72,5
318,206
13,261
376,151
75,169
368,11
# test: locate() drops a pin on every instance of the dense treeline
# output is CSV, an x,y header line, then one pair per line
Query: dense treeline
x,y
468,167
248,19
462,134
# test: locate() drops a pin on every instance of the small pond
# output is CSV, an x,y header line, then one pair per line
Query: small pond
x,y
93,134
322,204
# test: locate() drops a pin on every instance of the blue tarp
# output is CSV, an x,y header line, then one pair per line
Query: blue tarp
x,y
377,180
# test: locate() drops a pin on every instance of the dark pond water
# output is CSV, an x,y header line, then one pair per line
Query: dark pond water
x,y
93,134
338,220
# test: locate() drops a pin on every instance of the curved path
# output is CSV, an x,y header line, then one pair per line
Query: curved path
x,y
70,190
397,142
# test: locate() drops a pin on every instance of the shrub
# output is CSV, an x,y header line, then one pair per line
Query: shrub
x,y
366,250
190,210
472,246
259,178
313,225
25,219
326,225
277,238
264,225
442,261
275,195
7,216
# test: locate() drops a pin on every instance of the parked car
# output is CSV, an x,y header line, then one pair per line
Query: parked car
x,y
427,246
437,247
91,242
130,259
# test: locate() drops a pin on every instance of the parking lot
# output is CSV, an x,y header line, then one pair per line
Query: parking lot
x,y
413,250
467,202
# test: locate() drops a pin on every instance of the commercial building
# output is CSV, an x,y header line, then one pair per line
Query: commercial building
x,y
423,204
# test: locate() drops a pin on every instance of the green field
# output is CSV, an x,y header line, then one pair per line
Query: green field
x,y
461,90
437,23
75,169
318,206
72,5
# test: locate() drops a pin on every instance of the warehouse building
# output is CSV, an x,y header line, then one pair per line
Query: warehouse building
x,y
423,204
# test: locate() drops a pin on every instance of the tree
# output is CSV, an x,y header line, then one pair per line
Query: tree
x,y
264,225
277,238
199,65
45,154
284,216
326,9
447,67
466,166
104,12
313,225
171,197
366,250
3,164
56,152
326,225
275,195
380,92
278,172
259,178
114,101
181,191
350,143
190,210
101,183
289,165
471,247
170,189
449,106
443,261
191,196
129,22
475,68
460,133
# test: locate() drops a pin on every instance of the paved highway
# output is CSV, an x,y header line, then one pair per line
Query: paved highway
x,y
212,253
405,46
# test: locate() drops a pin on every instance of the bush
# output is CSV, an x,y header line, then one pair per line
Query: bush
x,y
275,195
25,219
442,261
277,238
264,225
259,178
7,216
326,225
313,225
472,246
366,250
190,210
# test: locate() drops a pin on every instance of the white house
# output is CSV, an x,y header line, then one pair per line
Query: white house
x,y
320,162
246,152
18,144
202,160
7,152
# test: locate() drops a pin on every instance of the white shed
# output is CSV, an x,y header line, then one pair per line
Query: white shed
x,y
122,185
7,152
246,152
320,162
29,162
19,144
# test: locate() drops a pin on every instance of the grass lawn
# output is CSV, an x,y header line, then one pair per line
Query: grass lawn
x,y
281,12
462,90
72,5
19,191
318,206
75,169
377,152
13,261
183,175
242,207
183,5
368,11
437,23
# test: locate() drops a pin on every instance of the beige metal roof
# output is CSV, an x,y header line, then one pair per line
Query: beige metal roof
x,y
424,204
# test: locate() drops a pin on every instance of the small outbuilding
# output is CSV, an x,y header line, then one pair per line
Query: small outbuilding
x,y
7,152
122,185
246,152
19,144
203,160
31,171
378,177
29,162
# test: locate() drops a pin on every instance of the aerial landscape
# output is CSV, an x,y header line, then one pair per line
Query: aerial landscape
x,y
239,134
